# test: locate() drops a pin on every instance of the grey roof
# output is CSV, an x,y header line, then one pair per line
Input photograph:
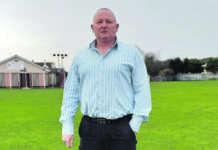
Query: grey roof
x,y
49,64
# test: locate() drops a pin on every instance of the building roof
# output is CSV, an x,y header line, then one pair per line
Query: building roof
x,y
50,65
28,61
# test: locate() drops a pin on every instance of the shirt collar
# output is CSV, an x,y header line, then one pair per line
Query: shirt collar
x,y
93,43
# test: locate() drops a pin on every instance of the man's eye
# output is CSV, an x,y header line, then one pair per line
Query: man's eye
x,y
108,21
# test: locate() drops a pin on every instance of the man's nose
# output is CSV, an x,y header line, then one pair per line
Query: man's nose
x,y
104,24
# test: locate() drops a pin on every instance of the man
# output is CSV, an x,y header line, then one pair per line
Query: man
x,y
109,79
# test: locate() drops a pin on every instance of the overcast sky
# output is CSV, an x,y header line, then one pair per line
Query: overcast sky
x,y
35,29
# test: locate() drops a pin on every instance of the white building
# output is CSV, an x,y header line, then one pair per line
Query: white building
x,y
19,72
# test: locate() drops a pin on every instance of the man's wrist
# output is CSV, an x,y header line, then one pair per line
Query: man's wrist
x,y
68,127
135,123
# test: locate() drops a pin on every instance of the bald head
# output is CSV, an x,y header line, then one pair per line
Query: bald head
x,y
104,9
104,25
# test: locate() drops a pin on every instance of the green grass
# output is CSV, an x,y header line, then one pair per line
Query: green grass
x,y
184,117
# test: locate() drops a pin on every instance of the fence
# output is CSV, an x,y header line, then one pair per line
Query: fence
x,y
31,80
42,80
185,77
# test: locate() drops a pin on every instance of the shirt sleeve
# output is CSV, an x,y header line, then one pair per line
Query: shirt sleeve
x,y
142,95
70,100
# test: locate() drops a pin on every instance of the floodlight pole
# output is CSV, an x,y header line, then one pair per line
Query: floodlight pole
x,y
58,60
62,57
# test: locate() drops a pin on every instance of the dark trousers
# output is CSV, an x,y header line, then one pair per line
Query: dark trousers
x,y
113,136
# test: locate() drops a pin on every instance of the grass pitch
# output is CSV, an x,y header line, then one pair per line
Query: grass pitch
x,y
183,117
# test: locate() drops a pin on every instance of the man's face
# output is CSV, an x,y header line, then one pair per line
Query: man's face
x,y
104,25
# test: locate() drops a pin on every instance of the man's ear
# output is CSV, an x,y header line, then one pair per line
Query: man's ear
x,y
117,26
92,27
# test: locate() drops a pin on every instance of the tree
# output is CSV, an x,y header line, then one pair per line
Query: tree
x,y
185,68
195,66
186,65
154,66
212,64
176,64
150,60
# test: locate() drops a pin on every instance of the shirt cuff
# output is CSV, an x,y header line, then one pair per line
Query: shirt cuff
x,y
68,127
145,119
136,122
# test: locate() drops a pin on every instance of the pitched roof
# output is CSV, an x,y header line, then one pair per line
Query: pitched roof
x,y
26,60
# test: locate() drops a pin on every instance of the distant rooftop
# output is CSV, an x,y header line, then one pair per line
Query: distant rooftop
x,y
50,65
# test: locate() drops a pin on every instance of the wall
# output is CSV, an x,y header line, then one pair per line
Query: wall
x,y
185,77
31,80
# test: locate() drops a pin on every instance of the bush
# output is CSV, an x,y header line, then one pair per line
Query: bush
x,y
166,72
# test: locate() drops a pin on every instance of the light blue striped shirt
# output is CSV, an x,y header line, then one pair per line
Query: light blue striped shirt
x,y
109,86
